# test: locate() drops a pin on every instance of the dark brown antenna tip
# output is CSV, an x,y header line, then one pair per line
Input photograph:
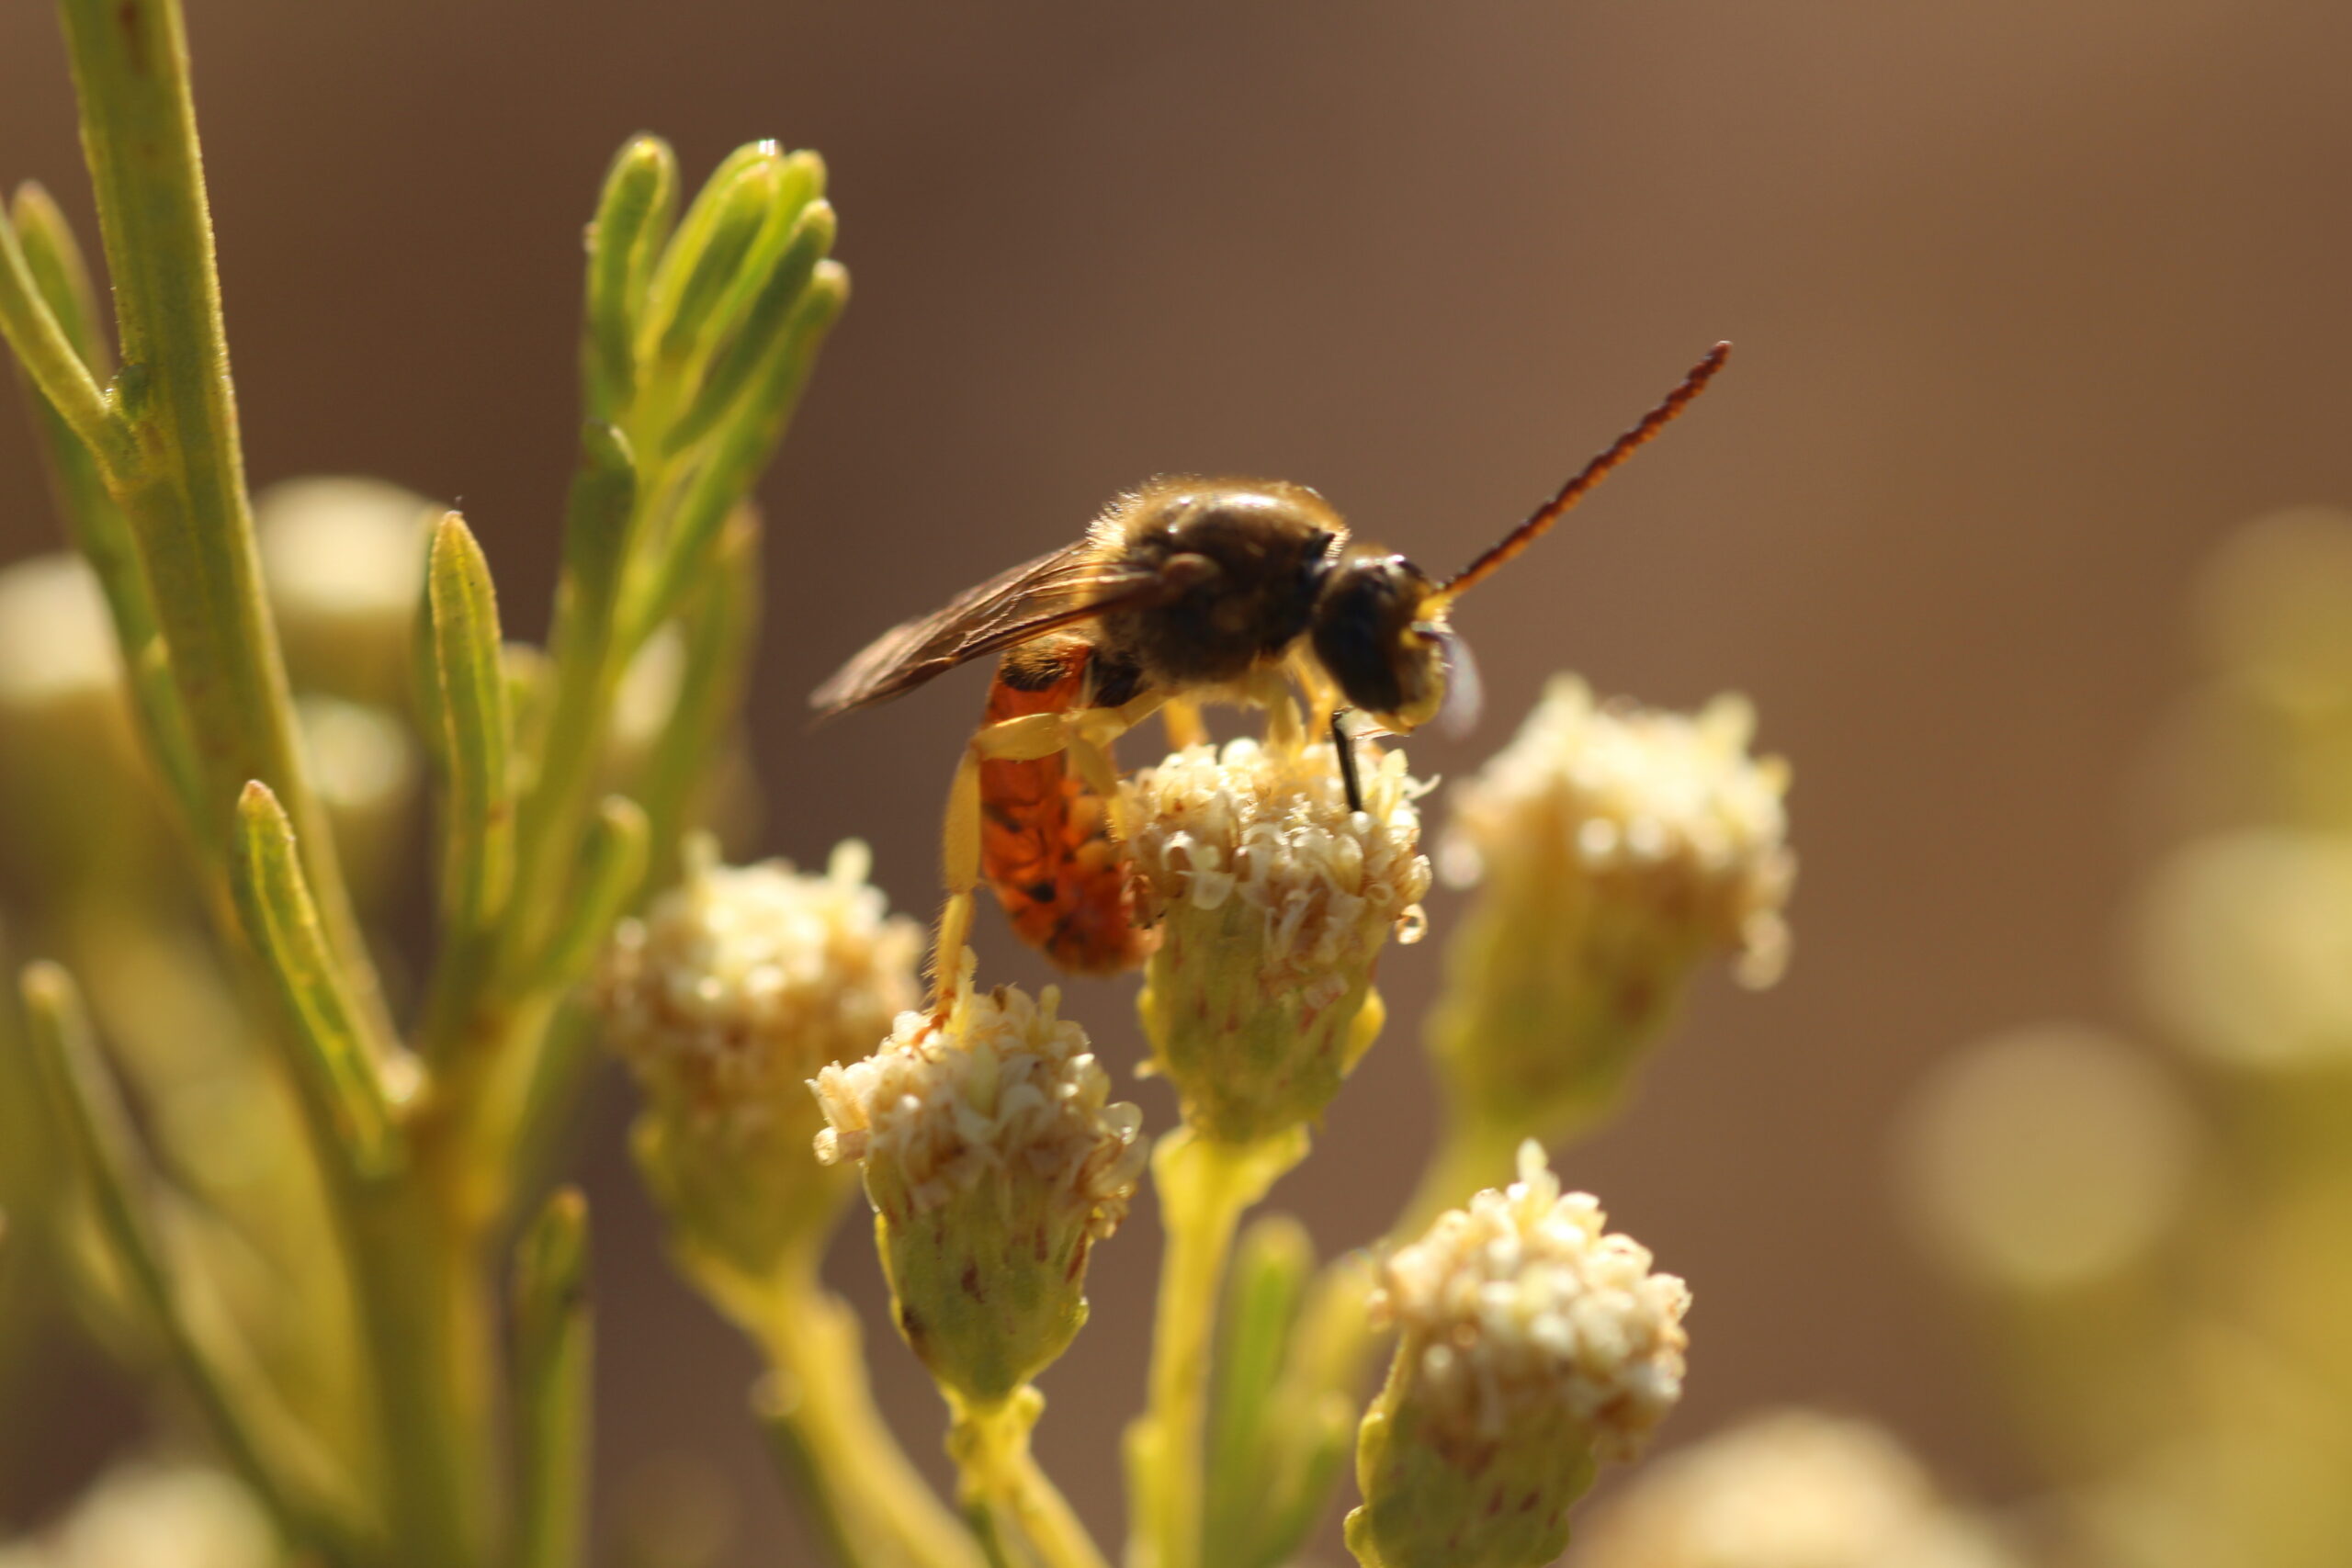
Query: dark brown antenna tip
x,y
1576,490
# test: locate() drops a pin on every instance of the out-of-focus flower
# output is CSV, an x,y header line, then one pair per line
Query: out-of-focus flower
x,y
344,563
1274,900
731,992
995,1158
364,766
2047,1158
73,794
2245,949
1616,847
1790,1489
1532,1346
145,1515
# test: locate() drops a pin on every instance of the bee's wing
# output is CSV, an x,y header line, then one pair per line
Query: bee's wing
x,y
1072,584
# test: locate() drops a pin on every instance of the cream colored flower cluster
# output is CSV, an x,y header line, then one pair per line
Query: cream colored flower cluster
x,y
1007,1087
1665,811
743,981
1792,1489
1268,827
1520,1304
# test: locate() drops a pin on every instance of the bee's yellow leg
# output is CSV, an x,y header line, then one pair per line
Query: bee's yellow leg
x,y
1182,719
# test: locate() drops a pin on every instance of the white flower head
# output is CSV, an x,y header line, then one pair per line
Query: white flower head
x,y
1521,1306
1007,1089
1666,819
1274,900
741,982
995,1158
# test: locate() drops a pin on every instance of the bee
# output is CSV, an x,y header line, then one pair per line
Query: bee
x,y
1184,591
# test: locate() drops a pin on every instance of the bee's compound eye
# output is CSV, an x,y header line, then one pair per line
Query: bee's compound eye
x,y
1365,637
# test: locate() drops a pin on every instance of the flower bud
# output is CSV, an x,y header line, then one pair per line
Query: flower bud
x,y
1617,847
1272,900
1791,1489
344,563
995,1159
730,993
1532,1346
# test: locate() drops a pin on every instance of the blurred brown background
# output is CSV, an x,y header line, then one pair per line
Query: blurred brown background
x,y
2033,299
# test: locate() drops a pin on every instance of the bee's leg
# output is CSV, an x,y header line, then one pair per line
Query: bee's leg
x,y
1182,719
1017,740
1343,745
1091,736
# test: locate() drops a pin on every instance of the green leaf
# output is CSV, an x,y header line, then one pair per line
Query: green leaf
x,y
750,358
721,624
476,743
596,533
742,210
552,1350
337,1065
633,219
734,466
55,365
693,237
611,870
84,1106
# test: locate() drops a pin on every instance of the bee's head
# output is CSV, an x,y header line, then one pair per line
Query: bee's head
x,y
1380,632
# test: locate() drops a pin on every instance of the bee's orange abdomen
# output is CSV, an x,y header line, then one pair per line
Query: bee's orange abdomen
x,y
1046,844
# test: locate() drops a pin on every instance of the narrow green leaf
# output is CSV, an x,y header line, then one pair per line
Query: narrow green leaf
x,y
710,274
478,856
95,521
552,1348
54,365
694,230
800,180
60,273
721,624
750,356
596,528
610,870
633,219
337,1066
1271,1268
84,1104
727,476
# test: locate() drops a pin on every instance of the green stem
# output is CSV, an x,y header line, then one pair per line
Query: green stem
x,y
186,494
427,1316
1203,1188
856,1480
1001,1484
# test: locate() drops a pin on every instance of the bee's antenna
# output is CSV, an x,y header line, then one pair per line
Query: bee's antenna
x,y
1658,419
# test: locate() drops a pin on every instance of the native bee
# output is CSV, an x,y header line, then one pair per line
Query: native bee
x,y
1183,590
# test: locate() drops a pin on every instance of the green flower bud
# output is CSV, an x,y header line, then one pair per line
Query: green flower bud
x,y
1531,1347
995,1159
1272,900
1617,847
733,990
1789,1489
